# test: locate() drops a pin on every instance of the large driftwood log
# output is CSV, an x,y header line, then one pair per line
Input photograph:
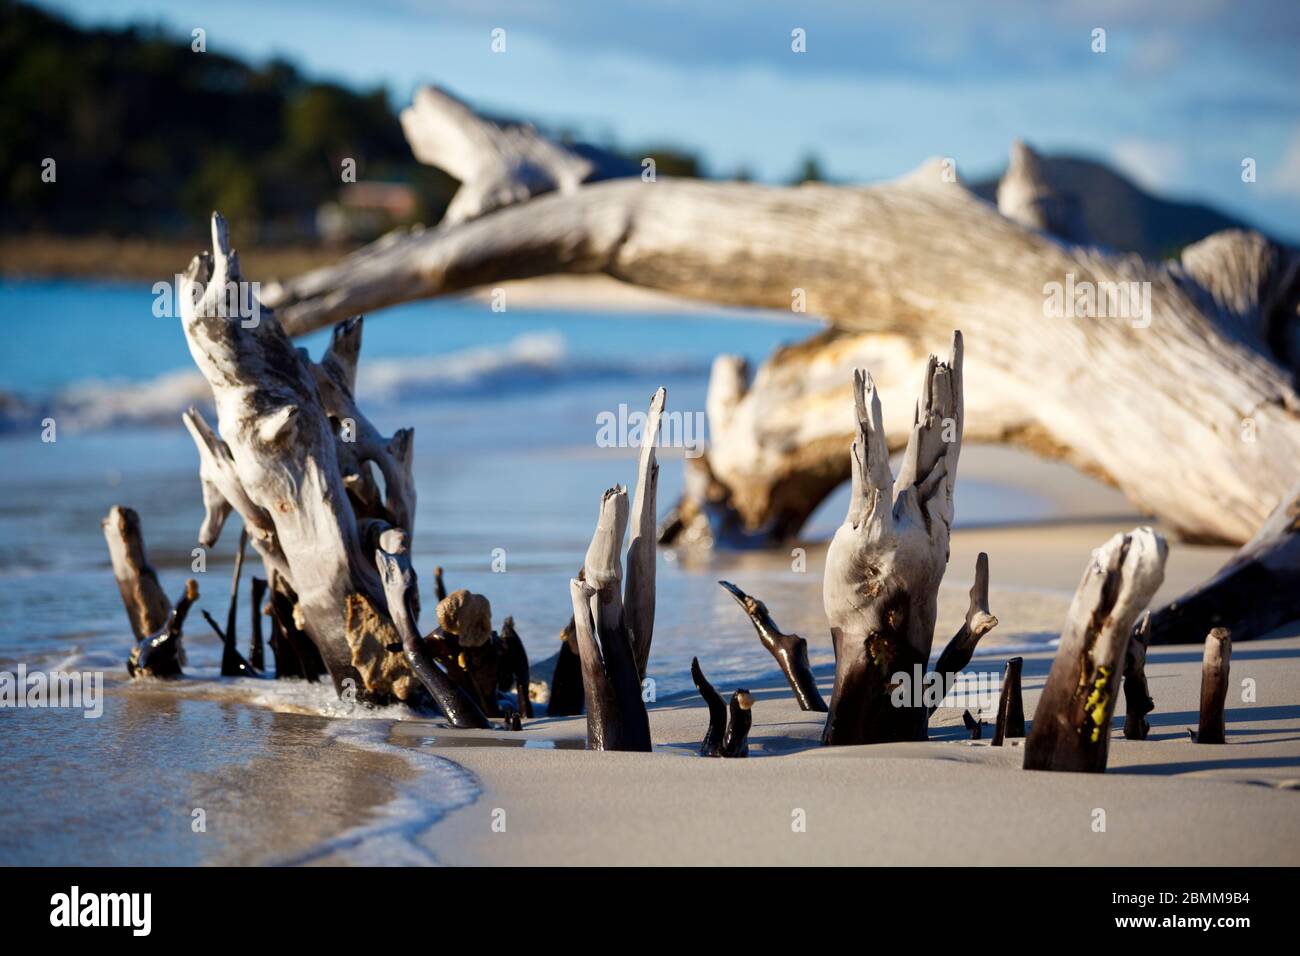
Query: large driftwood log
x,y
1071,726
887,559
903,258
1255,592
498,163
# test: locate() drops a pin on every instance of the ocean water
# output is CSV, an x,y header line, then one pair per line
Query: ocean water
x,y
504,407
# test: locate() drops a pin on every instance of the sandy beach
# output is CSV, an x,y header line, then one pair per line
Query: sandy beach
x,y
544,800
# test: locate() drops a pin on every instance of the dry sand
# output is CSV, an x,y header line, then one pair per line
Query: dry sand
x,y
950,801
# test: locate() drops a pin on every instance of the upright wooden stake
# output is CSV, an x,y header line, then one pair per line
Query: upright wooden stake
x,y
1214,685
147,605
1137,695
256,656
1011,708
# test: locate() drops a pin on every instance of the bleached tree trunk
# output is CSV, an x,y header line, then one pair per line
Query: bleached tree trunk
x,y
293,458
911,258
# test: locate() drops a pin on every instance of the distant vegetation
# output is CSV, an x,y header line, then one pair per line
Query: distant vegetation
x,y
148,137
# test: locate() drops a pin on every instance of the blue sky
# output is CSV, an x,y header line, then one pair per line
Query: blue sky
x,y
1185,90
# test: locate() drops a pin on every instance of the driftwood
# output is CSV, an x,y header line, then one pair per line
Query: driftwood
x,y
1137,695
1255,592
232,662
711,745
393,560
295,654
887,559
1214,686
728,732
147,605
888,266
790,650
1071,726
740,718
290,437
566,677
160,655
1025,196
514,667
256,654
902,258
613,626
463,644
979,621
498,164
1011,707
485,665
158,626
973,726
616,714
642,553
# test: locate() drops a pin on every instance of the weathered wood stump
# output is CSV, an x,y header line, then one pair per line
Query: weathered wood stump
x,y
1071,726
1214,686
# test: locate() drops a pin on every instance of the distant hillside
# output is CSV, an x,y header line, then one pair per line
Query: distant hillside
x,y
148,136
1120,214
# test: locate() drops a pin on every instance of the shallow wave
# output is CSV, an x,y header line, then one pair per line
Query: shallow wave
x,y
526,363
392,839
